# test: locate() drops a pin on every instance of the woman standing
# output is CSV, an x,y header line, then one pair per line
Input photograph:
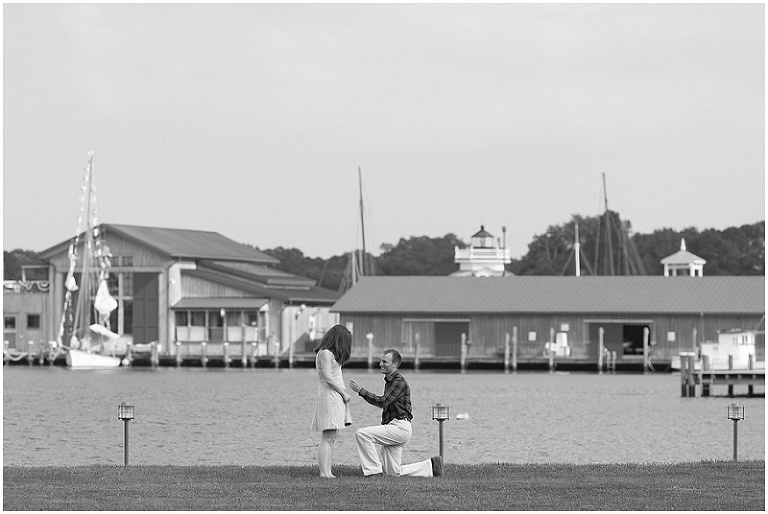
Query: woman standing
x,y
332,398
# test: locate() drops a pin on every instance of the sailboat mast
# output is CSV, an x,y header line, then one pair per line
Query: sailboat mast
x,y
577,252
81,307
362,219
608,234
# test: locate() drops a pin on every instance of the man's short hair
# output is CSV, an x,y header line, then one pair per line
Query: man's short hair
x,y
396,357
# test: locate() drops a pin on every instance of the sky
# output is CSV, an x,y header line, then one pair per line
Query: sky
x,y
252,120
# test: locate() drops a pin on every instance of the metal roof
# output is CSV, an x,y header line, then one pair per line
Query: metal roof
x,y
683,257
264,274
313,295
182,244
220,303
550,294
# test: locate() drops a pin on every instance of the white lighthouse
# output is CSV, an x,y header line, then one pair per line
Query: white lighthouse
x,y
485,256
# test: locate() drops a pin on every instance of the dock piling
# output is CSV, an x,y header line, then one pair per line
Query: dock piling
x,y
204,357
29,352
600,349
514,349
417,355
705,366
369,337
463,352
750,366
646,337
255,348
155,354
277,352
506,353
243,350
730,367
226,354
178,354
687,374
551,349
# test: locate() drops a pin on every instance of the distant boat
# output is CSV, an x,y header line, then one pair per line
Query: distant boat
x,y
85,334
734,345
610,229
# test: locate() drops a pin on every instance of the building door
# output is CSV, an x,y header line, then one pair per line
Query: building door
x,y
448,338
146,311
622,337
612,338
632,342
9,330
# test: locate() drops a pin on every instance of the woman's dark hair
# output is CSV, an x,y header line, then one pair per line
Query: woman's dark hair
x,y
339,341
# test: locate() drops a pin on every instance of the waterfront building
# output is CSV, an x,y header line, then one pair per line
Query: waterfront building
x,y
178,286
435,313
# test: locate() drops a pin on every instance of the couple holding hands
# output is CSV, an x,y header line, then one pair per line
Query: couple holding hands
x,y
332,412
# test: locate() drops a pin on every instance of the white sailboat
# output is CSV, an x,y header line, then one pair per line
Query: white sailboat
x,y
84,333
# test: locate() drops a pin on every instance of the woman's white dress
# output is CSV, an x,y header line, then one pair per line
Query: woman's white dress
x,y
330,408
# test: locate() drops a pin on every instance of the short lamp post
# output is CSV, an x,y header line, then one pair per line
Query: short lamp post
x,y
440,413
735,413
125,412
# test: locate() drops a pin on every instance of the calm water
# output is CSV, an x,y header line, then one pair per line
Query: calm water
x,y
58,416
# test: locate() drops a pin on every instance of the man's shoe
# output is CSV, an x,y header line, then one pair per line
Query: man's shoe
x,y
374,475
437,466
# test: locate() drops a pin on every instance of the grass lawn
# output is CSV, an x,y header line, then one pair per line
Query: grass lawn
x,y
705,485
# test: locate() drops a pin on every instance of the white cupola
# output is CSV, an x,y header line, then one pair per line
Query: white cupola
x,y
683,264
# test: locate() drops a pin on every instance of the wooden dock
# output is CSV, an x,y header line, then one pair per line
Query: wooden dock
x,y
730,378
704,379
410,362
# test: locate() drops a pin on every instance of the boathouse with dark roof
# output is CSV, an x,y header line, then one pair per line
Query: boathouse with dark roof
x,y
434,313
181,288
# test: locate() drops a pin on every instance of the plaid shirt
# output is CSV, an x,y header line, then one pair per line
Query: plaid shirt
x,y
396,402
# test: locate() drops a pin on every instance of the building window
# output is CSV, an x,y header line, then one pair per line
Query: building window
x,y
34,273
215,326
531,335
33,321
671,336
126,261
197,318
10,322
182,318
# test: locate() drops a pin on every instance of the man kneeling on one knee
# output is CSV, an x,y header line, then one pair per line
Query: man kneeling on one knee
x,y
395,428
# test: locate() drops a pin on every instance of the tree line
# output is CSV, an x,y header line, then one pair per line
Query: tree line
x,y
607,247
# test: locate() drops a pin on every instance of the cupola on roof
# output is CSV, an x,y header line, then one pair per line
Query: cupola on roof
x,y
683,263
482,233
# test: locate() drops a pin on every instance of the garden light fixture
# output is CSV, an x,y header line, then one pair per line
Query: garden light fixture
x,y
440,413
125,413
735,414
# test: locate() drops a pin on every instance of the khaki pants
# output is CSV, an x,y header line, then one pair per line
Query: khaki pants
x,y
391,438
